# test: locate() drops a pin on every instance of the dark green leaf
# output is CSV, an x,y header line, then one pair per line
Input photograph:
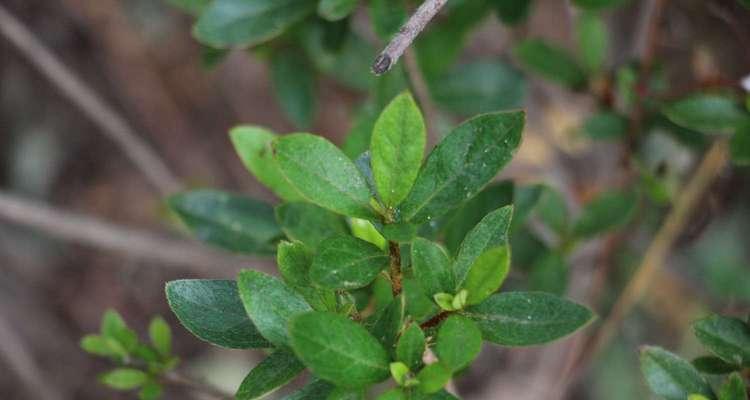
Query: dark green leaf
x,y
315,390
525,199
433,377
551,62
477,87
713,365
294,261
358,138
431,266
400,232
549,273
606,125
418,304
346,394
610,210
746,4
671,377
411,347
553,210
598,4
512,12
270,304
226,23
727,338
194,7
345,262
229,221
593,41
387,324
733,388
253,145
334,10
338,349
161,336
274,371
387,16
349,64
309,223
212,311
487,274
293,80
398,141
462,164
459,342
490,232
124,378
150,391
527,318
323,174
740,144
707,113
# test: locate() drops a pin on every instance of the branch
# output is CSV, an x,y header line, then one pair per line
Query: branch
x,y
406,35
109,121
90,231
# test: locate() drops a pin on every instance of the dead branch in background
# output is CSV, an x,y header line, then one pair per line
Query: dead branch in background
x,y
109,121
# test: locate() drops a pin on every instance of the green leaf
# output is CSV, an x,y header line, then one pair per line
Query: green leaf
x,y
490,232
212,311
431,266
490,199
274,371
740,144
462,164
338,350
387,17
236,223
315,390
150,391
323,174
551,62
433,377
487,274
713,365
606,125
100,346
270,304
598,5
609,210
527,318
226,23
161,336
398,142
334,10
399,372
253,145
512,12
124,378
346,394
411,347
418,304
294,261
733,388
393,394
707,113
549,273
194,7
593,41
345,262
746,4
400,232
293,78
553,210
459,342
113,327
480,86
366,231
671,377
387,324
309,223
727,338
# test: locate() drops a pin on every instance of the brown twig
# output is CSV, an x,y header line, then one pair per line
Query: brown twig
x,y
395,267
83,229
406,35
111,123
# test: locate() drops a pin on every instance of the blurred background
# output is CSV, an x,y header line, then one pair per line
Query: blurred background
x,y
83,229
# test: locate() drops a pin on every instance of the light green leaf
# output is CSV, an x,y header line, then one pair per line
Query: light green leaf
x,y
293,78
345,262
433,377
411,347
387,17
733,388
606,125
114,329
227,23
431,266
212,311
236,223
323,174
707,113
274,371
365,230
487,274
100,346
393,394
309,223
593,41
346,394
727,338
671,377
398,142
161,336
490,232
740,144
527,318
270,304
399,372
338,350
334,10
150,391
124,378
609,210
551,62
462,164
253,145
459,342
